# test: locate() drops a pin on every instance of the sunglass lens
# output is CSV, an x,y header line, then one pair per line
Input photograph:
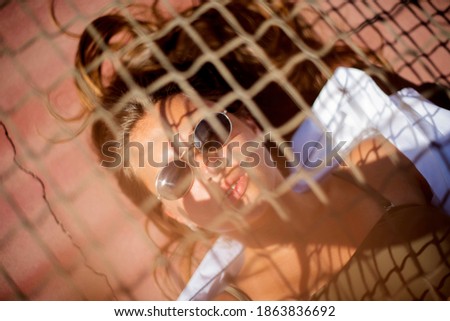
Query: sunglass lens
x,y
206,137
174,180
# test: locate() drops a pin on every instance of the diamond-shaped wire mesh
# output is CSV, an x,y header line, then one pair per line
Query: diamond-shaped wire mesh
x,y
67,230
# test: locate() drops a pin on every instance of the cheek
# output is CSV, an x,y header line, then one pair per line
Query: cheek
x,y
196,207
260,167
198,193
201,206
175,211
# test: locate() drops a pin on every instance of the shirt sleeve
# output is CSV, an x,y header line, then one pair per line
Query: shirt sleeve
x,y
351,107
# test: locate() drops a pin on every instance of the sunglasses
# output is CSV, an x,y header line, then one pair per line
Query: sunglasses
x,y
176,179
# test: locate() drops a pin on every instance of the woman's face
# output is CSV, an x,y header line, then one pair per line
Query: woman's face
x,y
227,185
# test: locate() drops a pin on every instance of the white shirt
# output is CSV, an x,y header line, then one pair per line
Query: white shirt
x,y
350,107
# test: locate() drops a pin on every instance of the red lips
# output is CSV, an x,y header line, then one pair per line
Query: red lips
x,y
236,184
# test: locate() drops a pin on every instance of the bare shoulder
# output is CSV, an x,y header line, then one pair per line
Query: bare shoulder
x,y
380,164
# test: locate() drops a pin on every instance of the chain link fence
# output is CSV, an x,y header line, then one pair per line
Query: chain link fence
x,y
67,232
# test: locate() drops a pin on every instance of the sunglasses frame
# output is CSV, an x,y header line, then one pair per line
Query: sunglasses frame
x,y
224,113
200,148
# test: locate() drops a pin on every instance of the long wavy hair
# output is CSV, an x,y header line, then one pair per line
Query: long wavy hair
x,y
123,57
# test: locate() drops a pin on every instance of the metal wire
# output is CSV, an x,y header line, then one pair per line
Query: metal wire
x,y
56,241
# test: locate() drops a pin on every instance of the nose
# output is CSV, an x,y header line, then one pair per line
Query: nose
x,y
215,165
212,164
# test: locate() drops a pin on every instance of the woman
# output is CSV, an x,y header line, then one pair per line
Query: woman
x,y
183,112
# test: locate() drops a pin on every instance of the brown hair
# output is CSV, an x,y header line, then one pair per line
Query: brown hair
x,y
133,43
